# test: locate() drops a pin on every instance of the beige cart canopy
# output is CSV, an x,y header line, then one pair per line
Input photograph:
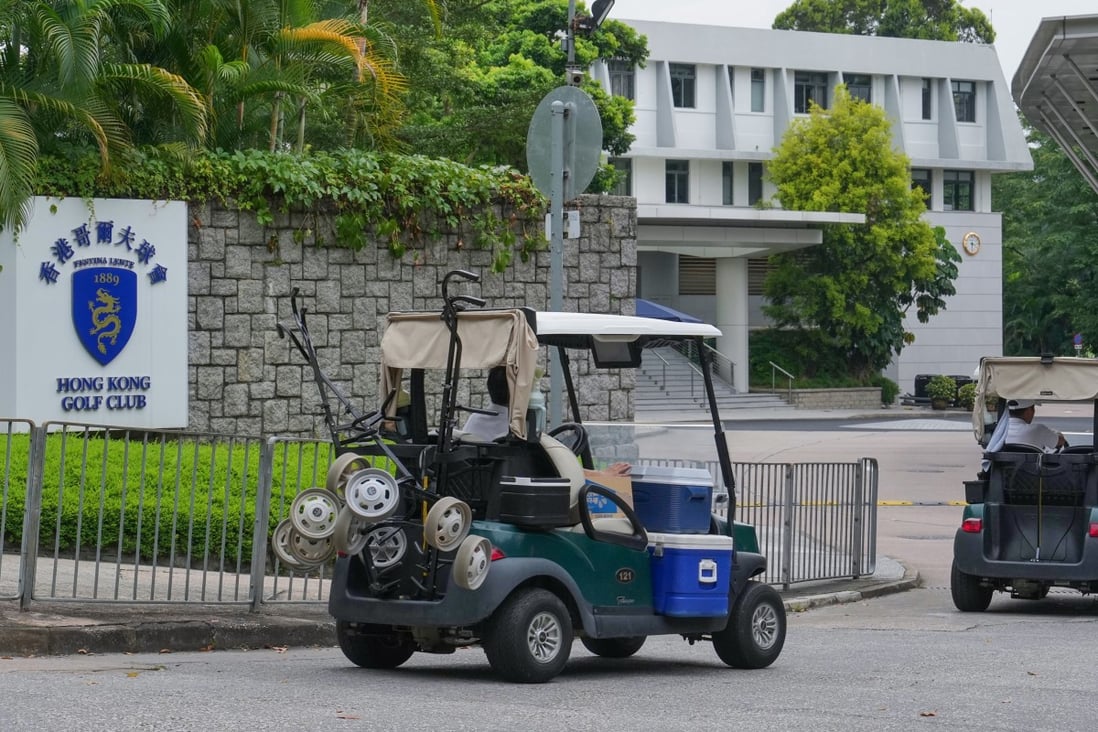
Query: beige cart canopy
x,y
1066,379
489,338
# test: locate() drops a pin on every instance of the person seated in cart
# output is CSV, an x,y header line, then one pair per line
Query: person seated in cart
x,y
1022,430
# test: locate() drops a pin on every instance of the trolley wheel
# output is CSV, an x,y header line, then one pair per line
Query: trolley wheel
x,y
448,523
373,494
473,560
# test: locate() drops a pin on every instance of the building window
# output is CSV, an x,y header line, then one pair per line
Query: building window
x,y
758,90
678,181
621,78
860,86
754,183
624,168
928,97
809,87
683,77
957,189
726,182
920,178
964,100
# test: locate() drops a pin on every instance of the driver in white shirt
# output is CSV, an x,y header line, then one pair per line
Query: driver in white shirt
x,y
1022,430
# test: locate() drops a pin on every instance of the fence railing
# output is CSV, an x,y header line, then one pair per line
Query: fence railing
x,y
98,514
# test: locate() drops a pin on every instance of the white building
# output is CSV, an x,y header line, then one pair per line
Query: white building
x,y
712,104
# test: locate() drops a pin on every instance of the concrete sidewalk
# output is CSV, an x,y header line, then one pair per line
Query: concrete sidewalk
x,y
82,627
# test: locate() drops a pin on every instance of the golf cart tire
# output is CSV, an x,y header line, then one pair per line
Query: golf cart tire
x,y
614,647
373,646
755,632
530,637
968,595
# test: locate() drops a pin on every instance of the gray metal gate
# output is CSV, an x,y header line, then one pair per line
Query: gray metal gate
x,y
90,513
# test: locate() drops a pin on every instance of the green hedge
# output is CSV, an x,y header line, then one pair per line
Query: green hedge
x,y
207,490
811,358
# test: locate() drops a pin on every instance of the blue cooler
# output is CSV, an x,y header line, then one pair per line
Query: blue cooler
x,y
673,500
690,574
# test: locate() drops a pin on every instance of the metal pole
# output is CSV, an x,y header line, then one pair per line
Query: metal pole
x,y
556,245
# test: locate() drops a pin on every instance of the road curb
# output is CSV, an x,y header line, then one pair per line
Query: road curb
x,y
909,581
164,636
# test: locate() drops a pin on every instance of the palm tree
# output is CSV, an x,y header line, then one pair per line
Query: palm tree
x,y
67,80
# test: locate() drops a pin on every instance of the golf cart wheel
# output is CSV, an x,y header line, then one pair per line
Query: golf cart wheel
x,y
968,595
280,544
313,513
755,632
472,562
343,468
530,637
373,494
349,535
448,523
614,647
387,546
373,646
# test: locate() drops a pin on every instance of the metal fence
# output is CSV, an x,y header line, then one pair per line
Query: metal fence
x,y
90,513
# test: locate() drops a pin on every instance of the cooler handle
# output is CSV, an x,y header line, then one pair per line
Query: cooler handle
x,y
707,571
697,493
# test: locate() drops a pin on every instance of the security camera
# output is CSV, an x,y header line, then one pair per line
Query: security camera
x,y
575,77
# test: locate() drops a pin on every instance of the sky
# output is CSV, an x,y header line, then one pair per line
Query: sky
x,y
1015,21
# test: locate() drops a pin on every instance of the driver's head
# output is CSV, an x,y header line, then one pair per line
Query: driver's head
x,y
1023,409
497,386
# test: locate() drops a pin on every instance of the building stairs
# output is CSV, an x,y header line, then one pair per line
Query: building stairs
x,y
667,381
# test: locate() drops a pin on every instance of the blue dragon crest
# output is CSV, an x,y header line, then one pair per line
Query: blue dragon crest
x,y
104,310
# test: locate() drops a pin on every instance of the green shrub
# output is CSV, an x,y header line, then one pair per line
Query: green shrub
x,y
942,387
157,498
966,396
890,390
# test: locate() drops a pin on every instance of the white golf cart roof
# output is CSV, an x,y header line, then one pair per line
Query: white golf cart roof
x,y
504,337
1058,379
618,327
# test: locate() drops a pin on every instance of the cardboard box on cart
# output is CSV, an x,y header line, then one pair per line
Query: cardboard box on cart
x,y
601,507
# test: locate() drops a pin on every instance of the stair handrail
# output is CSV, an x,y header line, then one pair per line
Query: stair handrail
x,y
773,380
663,380
718,356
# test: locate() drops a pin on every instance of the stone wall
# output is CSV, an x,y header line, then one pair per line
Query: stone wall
x,y
244,379
855,398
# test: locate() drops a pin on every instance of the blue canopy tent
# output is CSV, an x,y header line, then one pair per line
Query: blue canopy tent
x,y
649,309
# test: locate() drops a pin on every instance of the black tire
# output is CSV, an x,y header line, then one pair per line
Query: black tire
x,y
614,647
530,637
968,595
755,632
373,646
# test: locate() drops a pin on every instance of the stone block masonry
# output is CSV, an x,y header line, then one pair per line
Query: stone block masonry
x,y
244,379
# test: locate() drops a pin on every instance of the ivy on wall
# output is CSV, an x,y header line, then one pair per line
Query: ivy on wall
x,y
349,197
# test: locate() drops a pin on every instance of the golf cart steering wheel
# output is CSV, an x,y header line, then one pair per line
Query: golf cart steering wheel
x,y
572,435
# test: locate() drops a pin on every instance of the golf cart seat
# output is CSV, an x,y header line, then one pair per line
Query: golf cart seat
x,y
567,466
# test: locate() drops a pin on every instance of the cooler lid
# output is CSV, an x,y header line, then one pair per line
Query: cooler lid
x,y
711,542
671,475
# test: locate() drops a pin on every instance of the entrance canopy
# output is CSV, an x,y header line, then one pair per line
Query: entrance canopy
x,y
1056,87
649,309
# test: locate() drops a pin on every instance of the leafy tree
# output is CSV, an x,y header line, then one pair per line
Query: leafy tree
x,y
1050,289
67,80
940,20
473,87
277,74
857,285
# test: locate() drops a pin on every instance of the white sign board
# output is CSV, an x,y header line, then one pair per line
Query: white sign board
x,y
94,303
